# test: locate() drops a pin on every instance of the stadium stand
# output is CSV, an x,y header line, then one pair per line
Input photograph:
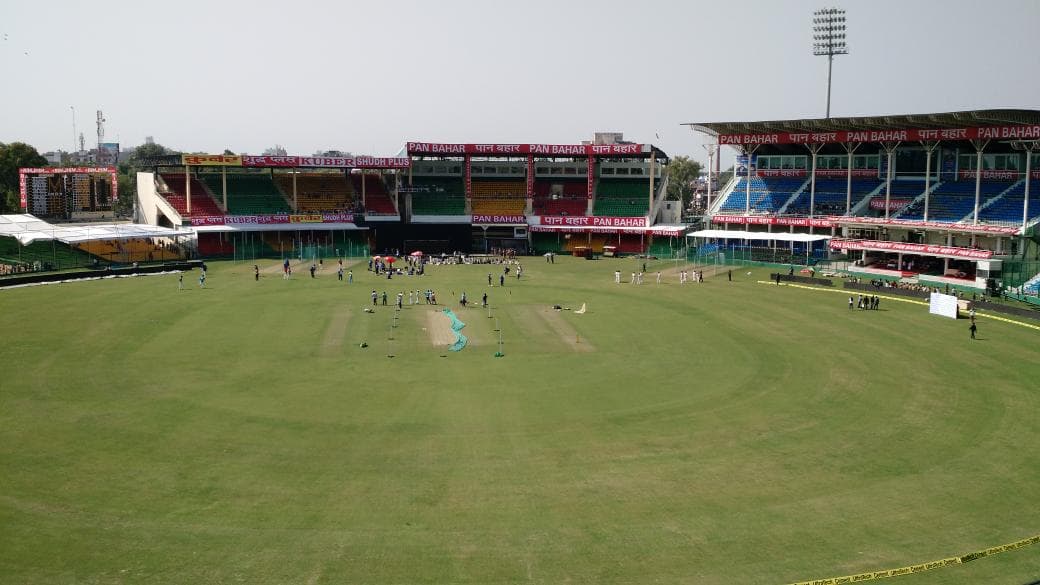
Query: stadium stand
x,y
318,192
40,255
1008,209
953,200
831,195
621,198
438,196
377,199
560,197
248,194
132,250
507,197
201,202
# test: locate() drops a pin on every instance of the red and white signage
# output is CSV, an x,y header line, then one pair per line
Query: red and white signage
x,y
770,220
893,204
500,219
433,148
907,135
333,162
589,221
907,248
23,192
916,223
279,218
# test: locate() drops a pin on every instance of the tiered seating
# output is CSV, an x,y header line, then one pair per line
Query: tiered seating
x,y
319,192
953,200
499,197
377,199
132,250
438,196
831,195
201,202
249,194
499,206
622,198
213,245
560,197
40,255
1008,209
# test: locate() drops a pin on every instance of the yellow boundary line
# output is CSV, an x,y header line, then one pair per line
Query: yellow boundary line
x,y
920,568
899,299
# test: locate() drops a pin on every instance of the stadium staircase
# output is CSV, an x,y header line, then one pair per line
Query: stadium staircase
x,y
722,196
202,202
794,197
1006,207
862,205
659,198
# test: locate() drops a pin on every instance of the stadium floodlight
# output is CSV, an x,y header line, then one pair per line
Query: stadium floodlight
x,y
829,40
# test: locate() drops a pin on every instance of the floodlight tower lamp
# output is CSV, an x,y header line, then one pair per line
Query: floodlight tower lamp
x,y
829,40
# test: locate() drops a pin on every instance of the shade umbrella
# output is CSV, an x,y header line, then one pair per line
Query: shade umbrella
x,y
390,259
377,257
416,253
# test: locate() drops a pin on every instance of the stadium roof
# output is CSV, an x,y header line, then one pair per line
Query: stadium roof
x,y
936,121
29,228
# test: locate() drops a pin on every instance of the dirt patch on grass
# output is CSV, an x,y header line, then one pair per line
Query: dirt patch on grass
x,y
566,332
535,320
438,327
336,330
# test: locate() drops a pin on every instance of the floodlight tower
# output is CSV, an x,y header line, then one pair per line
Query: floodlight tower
x,y
829,40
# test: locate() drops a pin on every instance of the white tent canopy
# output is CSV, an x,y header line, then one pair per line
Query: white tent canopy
x,y
28,229
769,237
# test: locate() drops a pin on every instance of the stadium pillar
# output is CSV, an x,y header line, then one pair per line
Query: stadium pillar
x,y
815,150
929,148
650,208
364,202
295,201
710,148
223,185
849,148
1025,200
979,145
890,148
747,187
187,187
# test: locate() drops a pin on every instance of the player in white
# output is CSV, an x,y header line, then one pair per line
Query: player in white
x,y
658,277
617,277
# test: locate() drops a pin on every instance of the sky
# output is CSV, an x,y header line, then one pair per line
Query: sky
x,y
366,77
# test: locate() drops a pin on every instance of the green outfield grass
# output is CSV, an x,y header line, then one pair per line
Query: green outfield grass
x,y
712,434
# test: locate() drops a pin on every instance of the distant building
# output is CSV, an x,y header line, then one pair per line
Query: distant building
x,y
54,158
607,138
